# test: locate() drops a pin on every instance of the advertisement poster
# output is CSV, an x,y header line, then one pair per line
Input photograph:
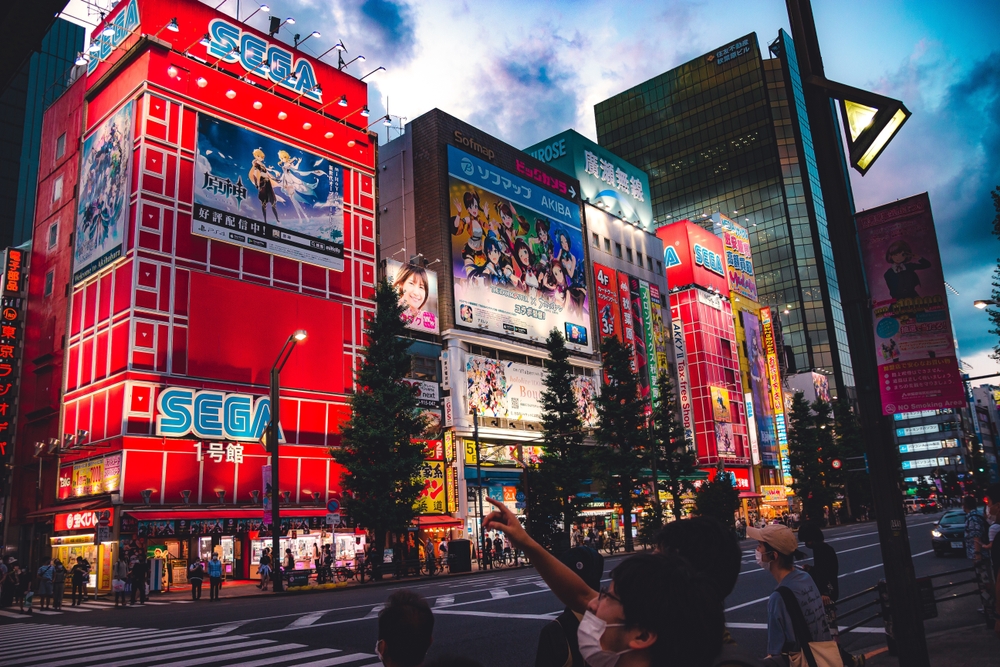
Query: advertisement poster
x,y
264,194
915,349
683,373
775,393
751,429
650,339
90,477
723,418
608,314
739,265
418,294
759,388
432,499
821,385
102,212
265,494
503,456
659,332
517,255
629,328
641,354
585,393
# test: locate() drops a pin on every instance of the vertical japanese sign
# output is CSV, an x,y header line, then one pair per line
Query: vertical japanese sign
x,y
609,319
775,392
641,353
915,348
683,373
652,365
628,322
432,499
265,473
751,430
12,313
739,265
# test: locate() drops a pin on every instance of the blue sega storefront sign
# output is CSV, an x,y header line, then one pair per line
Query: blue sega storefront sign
x,y
212,415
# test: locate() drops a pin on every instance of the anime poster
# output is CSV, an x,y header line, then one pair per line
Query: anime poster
x,y
418,294
757,361
641,353
821,387
102,212
261,193
722,417
659,331
517,255
915,350
585,394
609,319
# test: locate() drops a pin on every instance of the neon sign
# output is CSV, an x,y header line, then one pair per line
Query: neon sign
x,y
231,44
212,415
708,259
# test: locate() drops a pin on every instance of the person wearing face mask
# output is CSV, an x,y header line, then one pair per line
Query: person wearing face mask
x,y
993,547
557,645
405,630
655,612
776,551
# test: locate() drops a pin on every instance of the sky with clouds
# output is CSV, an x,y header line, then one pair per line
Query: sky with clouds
x,y
525,70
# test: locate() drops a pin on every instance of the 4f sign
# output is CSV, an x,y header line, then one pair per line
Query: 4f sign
x,y
123,24
602,278
212,415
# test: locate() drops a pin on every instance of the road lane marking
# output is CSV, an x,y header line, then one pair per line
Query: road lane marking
x,y
114,646
353,657
443,600
307,620
204,647
35,632
374,612
499,593
747,604
308,654
864,629
489,614
229,627
259,650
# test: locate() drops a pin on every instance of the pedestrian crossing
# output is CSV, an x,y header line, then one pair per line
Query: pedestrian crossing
x,y
86,607
51,645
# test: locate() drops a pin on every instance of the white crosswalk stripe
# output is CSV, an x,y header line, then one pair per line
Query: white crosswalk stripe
x,y
29,645
86,606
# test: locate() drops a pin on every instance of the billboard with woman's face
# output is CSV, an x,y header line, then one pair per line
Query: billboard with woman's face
x,y
418,294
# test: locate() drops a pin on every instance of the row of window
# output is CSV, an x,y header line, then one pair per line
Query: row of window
x,y
595,241
928,446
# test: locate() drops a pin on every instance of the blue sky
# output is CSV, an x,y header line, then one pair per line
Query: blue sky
x,y
524,71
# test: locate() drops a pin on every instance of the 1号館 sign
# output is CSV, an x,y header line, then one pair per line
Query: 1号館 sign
x,y
212,415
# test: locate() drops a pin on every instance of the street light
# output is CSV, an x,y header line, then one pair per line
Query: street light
x,y
272,441
981,304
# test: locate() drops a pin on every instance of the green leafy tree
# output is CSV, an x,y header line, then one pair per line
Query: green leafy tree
x,y
377,447
718,498
810,452
618,461
564,463
851,445
675,461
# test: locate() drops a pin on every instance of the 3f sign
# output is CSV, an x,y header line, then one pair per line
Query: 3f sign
x,y
212,415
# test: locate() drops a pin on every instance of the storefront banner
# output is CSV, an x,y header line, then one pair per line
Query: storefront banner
x,y
13,309
608,313
517,255
641,354
652,364
501,456
451,481
751,428
433,449
291,203
432,499
427,393
775,494
722,416
212,415
629,327
449,446
683,371
917,363
775,392
102,210
85,520
739,264
759,388
90,477
418,294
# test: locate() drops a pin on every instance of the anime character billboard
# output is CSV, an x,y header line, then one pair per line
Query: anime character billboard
x,y
102,212
915,349
418,294
517,255
261,193
757,360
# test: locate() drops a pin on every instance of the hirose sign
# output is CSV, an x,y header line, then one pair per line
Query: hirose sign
x,y
212,415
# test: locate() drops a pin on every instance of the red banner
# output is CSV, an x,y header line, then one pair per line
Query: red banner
x,y
86,520
609,319
628,322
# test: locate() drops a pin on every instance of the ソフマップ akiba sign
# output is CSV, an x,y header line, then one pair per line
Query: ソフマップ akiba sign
x,y
212,415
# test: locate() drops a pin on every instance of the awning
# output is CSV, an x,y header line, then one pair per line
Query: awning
x,y
70,507
238,513
749,494
437,522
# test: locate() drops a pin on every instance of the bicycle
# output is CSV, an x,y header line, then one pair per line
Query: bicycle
x,y
343,573
612,546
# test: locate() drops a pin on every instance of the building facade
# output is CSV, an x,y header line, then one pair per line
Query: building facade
x,y
727,133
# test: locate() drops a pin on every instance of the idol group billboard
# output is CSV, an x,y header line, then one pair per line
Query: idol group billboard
x,y
517,255
915,350
418,294
262,193
102,211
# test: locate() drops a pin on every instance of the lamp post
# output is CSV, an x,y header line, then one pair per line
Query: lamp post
x,y
479,486
272,442
981,304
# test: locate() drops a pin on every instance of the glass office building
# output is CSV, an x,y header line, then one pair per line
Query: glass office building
x,y
728,132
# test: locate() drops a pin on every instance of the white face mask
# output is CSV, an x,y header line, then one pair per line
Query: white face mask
x,y
588,636
759,557
377,641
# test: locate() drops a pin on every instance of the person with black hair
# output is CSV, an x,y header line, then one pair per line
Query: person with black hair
x,y
655,611
405,630
824,571
992,546
557,645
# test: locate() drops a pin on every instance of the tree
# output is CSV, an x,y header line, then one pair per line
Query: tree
x,y
674,458
617,462
994,313
377,447
564,462
718,498
810,452
851,445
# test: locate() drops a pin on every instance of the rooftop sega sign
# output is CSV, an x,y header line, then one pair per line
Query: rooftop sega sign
x,y
212,415
605,179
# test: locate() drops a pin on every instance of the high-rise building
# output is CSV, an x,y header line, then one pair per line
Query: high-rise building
x,y
727,132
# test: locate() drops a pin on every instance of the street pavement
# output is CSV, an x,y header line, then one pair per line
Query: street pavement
x,y
494,617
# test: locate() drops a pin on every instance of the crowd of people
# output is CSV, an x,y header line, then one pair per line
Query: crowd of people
x,y
20,586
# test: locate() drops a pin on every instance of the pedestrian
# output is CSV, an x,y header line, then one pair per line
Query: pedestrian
x,y
44,582
119,578
76,582
993,512
214,576
138,579
557,645
196,575
976,535
429,555
58,583
28,596
18,579
655,611
264,569
498,547
824,571
777,548
405,630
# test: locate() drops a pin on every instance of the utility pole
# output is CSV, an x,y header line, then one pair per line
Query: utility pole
x,y
905,628
479,487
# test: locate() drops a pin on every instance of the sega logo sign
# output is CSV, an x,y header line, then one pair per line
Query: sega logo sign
x,y
122,25
268,61
708,259
212,415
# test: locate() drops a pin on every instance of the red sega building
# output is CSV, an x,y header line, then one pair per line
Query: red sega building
x,y
217,193
704,338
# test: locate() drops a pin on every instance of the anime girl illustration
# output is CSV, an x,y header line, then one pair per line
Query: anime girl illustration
x,y
562,251
472,219
555,283
412,285
263,177
523,261
292,184
474,254
901,277
497,267
508,232
541,244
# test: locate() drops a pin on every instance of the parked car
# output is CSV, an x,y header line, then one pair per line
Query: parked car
x,y
922,505
948,534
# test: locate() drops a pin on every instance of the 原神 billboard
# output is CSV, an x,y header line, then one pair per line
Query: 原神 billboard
x,y
915,350
102,212
517,255
418,294
264,194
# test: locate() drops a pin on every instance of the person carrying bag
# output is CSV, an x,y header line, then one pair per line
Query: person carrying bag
x,y
810,653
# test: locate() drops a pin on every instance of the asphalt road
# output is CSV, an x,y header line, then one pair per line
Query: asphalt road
x,y
492,617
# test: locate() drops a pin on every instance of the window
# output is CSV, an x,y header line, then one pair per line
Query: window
x,y
61,145
49,279
607,246
618,250
649,262
638,258
423,368
659,267
53,235
595,240
628,255
57,188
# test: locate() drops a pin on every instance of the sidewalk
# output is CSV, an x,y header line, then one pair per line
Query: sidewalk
x,y
970,645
